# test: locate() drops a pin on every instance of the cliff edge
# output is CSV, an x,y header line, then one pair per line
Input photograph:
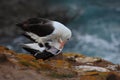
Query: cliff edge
x,y
67,66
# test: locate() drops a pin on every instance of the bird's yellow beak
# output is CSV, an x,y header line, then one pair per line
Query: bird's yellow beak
x,y
62,43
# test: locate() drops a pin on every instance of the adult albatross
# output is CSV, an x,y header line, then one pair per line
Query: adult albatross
x,y
49,36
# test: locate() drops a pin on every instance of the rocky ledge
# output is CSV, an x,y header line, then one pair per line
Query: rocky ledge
x,y
67,66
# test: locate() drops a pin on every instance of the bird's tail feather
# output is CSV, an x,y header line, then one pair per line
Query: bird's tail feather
x,y
33,46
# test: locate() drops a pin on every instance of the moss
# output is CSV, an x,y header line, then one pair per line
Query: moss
x,y
103,74
25,57
73,55
89,78
45,67
29,63
24,62
91,73
59,64
99,76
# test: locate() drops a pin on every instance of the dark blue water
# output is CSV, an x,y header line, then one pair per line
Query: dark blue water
x,y
96,31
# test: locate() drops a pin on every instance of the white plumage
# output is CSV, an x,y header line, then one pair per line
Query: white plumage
x,y
34,46
46,31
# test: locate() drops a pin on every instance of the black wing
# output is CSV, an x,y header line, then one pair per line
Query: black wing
x,y
38,26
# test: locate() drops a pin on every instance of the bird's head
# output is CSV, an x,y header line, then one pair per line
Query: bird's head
x,y
65,38
61,35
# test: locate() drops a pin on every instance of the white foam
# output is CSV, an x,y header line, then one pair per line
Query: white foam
x,y
99,46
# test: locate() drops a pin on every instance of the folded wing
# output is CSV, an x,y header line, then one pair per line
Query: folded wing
x,y
39,26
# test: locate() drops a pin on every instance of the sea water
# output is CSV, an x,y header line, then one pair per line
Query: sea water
x,y
96,31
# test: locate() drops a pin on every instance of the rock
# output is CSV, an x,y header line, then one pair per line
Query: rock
x,y
101,76
3,58
113,67
5,54
70,66
85,68
87,60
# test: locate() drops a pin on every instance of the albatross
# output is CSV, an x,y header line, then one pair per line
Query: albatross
x,y
48,36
